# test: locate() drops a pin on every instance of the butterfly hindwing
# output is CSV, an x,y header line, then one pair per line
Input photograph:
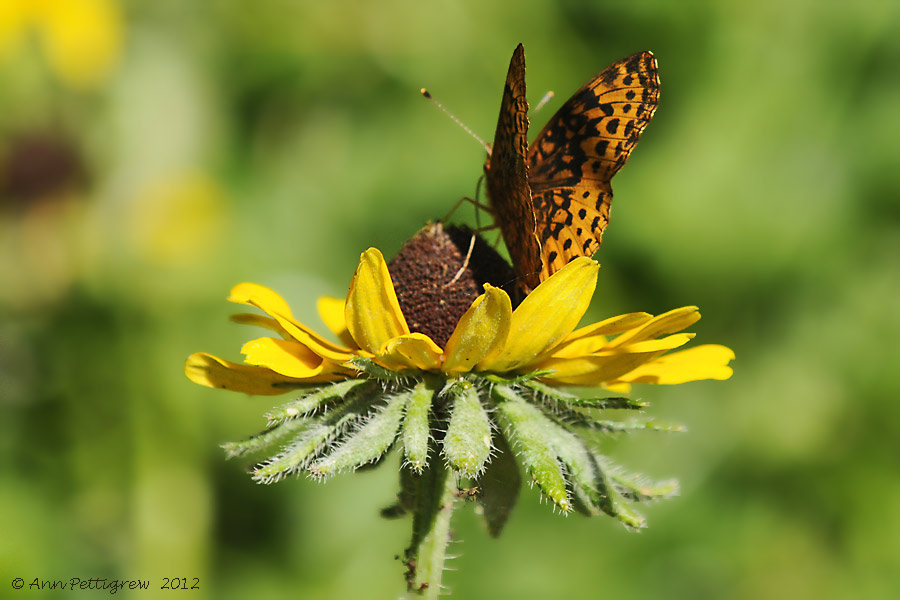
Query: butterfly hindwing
x,y
507,177
583,145
571,220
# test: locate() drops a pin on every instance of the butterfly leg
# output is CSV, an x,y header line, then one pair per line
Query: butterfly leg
x,y
453,210
476,203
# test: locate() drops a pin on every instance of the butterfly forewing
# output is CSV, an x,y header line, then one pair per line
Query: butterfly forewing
x,y
574,157
507,177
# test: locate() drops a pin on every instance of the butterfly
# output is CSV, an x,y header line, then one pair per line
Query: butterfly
x,y
551,199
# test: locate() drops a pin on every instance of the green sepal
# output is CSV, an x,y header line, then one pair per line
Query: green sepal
x,y
551,392
313,440
633,425
593,489
612,503
635,487
264,439
415,433
527,428
467,443
305,405
525,378
424,491
611,402
583,502
500,484
406,497
367,443
571,415
297,455
376,371
581,471
394,511
409,482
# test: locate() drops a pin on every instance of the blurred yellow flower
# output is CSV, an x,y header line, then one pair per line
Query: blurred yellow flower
x,y
81,39
179,220
539,336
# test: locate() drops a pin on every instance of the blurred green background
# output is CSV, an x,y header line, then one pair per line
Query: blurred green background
x,y
155,153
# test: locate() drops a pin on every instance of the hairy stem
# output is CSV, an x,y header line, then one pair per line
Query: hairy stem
x,y
435,494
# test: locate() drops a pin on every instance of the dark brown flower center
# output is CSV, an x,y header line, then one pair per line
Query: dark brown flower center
x,y
423,274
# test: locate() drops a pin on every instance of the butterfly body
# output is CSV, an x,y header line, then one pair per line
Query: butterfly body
x,y
558,189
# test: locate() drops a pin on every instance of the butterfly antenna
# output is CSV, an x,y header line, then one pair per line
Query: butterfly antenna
x,y
547,97
465,264
456,120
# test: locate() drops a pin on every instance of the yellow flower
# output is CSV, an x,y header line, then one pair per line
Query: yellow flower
x,y
539,336
82,39
496,384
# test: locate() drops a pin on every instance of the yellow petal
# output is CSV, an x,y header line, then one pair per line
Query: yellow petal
x,y
372,312
669,322
261,297
591,338
331,311
619,388
214,372
481,331
612,325
288,358
709,361
259,321
661,345
274,305
610,363
546,316
593,370
313,341
412,350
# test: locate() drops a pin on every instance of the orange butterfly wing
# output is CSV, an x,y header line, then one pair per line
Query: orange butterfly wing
x,y
506,173
574,157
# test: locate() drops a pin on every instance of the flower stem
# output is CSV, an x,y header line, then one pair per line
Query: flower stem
x,y
435,495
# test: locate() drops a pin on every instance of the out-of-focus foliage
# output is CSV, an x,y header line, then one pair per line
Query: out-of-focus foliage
x,y
152,154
